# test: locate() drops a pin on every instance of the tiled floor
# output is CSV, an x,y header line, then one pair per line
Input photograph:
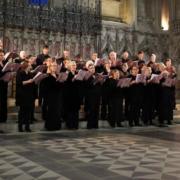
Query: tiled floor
x,y
145,153
138,153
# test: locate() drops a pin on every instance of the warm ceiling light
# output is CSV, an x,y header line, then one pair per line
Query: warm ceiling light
x,y
165,16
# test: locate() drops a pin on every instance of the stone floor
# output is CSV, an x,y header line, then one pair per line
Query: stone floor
x,y
138,153
144,153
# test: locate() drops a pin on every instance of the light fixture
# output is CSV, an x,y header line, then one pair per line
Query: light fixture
x,y
165,15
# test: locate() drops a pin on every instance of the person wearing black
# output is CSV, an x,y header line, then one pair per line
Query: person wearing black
x,y
21,58
65,65
113,59
125,68
3,90
147,107
42,57
25,96
104,96
71,98
135,97
41,99
66,56
98,63
92,98
166,103
172,70
40,60
32,62
115,99
140,60
125,57
52,92
152,63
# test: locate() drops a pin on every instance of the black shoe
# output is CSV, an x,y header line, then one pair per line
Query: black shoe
x,y
119,125
139,125
112,124
103,118
1,132
163,125
20,128
146,124
34,120
169,123
131,125
3,121
151,124
28,130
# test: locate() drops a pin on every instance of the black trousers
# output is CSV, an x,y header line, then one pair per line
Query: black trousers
x,y
166,105
24,117
54,114
3,101
92,113
104,107
72,119
44,108
148,104
115,111
147,112
134,113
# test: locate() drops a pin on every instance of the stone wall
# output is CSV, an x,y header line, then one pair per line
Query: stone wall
x,y
136,26
33,41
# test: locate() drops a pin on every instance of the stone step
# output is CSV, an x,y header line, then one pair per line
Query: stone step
x,y
11,125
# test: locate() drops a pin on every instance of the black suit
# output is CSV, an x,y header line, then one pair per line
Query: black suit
x,y
41,58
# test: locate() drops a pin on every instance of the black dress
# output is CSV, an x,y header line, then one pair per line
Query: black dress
x,y
39,61
135,102
115,102
25,95
71,102
52,92
3,96
148,101
104,99
92,99
166,103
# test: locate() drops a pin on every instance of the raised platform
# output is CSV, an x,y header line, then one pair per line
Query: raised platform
x,y
11,125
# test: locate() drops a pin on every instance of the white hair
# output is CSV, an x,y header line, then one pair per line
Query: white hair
x,y
88,63
22,53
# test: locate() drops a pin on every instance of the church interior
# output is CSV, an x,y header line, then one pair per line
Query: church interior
x,y
83,27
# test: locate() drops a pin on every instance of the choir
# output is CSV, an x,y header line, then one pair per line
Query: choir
x,y
112,89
